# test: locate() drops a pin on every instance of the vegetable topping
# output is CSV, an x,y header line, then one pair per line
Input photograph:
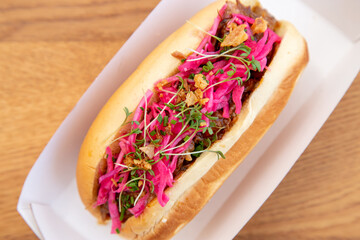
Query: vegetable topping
x,y
185,114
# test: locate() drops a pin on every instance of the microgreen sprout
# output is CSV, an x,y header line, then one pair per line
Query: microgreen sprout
x,y
124,166
202,30
242,58
133,131
246,52
239,79
186,139
218,153
145,113
208,67
142,190
124,186
127,114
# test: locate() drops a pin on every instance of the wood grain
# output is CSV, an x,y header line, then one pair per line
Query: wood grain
x,y
51,51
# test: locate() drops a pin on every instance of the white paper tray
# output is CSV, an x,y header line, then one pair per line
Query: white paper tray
x,y
49,201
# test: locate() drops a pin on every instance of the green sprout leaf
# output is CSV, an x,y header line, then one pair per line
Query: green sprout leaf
x,y
127,114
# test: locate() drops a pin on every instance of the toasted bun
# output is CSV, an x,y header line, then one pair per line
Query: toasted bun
x,y
198,184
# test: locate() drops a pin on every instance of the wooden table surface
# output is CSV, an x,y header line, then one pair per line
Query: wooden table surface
x,y
51,51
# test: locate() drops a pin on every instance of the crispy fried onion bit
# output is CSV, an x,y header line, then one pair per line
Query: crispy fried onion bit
x,y
236,36
259,26
193,97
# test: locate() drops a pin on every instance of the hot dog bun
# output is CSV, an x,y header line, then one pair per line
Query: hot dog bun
x,y
198,184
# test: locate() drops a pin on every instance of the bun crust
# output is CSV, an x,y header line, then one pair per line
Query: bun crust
x,y
199,183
